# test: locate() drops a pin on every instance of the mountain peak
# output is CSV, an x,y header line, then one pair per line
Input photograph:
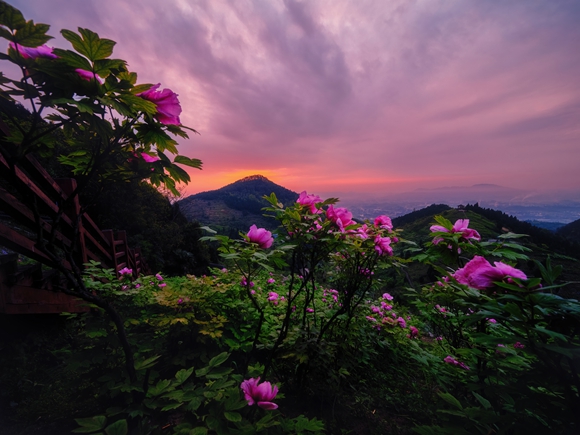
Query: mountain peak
x,y
256,177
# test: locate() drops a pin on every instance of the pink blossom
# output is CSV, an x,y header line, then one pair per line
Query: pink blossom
x,y
149,158
159,277
88,75
402,322
383,245
362,232
34,52
261,236
460,226
450,360
309,310
383,221
179,301
168,107
162,285
492,320
273,296
271,281
309,201
518,345
259,394
387,296
414,332
340,216
126,271
479,274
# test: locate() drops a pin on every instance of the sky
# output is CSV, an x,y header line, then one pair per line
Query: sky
x,y
357,98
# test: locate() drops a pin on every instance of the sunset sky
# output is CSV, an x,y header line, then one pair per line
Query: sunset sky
x,y
341,97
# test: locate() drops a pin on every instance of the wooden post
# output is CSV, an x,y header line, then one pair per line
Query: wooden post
x,y
68,185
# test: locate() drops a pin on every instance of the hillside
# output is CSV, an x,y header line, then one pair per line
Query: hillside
x,y
237,206
570,231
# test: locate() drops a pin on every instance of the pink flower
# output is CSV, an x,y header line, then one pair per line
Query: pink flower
x,y
387,296
126,271
273,296
479,274
492,320
518,345
340,216
383,221
260,394
460,226
149,158
383,245
34,52
450,360
261,236
271,281
179,301
309,310
168,107
309,201
414,332
159,277
162,285
402,322
88,75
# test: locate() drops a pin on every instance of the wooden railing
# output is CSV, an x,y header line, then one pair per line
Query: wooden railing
x,y
30,217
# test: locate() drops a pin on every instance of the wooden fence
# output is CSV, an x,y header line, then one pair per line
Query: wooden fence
x,y
28,288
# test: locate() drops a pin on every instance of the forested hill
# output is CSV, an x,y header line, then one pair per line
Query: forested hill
x,y
237,206
560,242
570,231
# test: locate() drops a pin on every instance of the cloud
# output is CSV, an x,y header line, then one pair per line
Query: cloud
x,y
326,91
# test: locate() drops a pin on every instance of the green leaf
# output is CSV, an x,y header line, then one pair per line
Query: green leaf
x,y
72,59
198,431
118,428
11,17
484,402
32,35
194,163
148,363
549,333
91,424
103,67
219,359
183,375
171,406
194,404
4,33
451,400
89,44
233,416
161,386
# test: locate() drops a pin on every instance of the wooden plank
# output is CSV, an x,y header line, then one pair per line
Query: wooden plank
x,y
25,246
22,214
23,294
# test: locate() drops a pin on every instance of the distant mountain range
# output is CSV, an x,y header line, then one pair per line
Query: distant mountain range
x,y
237,206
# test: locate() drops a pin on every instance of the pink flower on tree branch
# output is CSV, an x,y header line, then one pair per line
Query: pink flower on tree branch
x,y
34,52
168,107
259,394
460,226
309,201
340,216
480,274
261,236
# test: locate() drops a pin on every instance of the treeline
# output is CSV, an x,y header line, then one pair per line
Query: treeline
x,y
409,218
